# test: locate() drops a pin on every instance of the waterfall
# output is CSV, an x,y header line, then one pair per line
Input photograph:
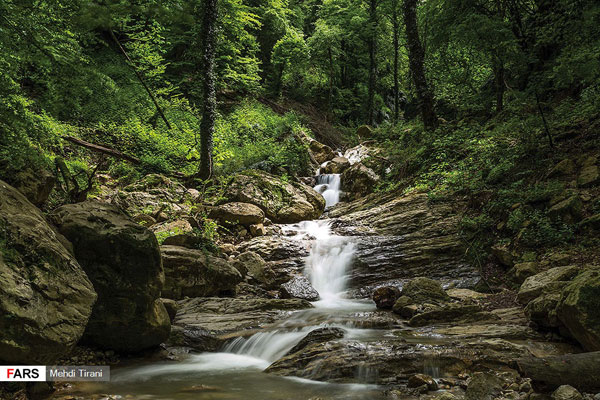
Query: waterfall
x,y
327,268
329,187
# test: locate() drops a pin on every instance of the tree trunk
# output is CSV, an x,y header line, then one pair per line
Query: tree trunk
x,y
331,71
416,57
209,107
579,370
499,78
372,60
395,29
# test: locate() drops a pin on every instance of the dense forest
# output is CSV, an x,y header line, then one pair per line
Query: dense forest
x,y
453,140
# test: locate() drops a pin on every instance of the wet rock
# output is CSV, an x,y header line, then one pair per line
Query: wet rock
x,y
568,210
405,307
566,392
359,180
419,380
122,259
337,165
256,270
321,151
193,273
385,297
207,323
450,313
483,386
258,230
319,335
522,271
579,308
45,296
425,290
281,201
237,213
299,287
547,281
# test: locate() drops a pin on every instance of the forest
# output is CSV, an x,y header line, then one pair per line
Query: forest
x,y
397,198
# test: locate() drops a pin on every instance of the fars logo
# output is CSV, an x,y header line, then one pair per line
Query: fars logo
x,y
22,373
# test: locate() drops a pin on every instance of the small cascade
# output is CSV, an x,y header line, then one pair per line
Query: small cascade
x,y
329,187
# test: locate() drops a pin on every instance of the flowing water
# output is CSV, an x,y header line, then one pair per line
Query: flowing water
x,y
236,372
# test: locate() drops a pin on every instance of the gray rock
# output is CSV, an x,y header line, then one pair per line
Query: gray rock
x,y
236,212
359,180
122,259
299,287
545,282
45,297
483,386
566,392
319,335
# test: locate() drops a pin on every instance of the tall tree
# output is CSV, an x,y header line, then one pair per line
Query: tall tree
x,y
372,43
395,40
416,56
209,106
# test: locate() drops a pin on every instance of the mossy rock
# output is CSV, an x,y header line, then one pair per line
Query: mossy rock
x,y
424,290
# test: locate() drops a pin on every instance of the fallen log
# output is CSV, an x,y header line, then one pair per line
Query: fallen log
x,y
102,149
579,370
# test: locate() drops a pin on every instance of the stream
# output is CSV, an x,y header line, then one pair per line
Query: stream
x,y
236,372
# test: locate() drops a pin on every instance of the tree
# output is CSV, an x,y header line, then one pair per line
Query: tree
x,y
372,44
416,56
209,106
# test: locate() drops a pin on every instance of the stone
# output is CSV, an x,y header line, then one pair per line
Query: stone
x,y
258,230
359,180
503,255
227,248
189,240
171,306
237,213
450,313
419,380
319,335
588,176
563,168
207,323
385,296
425,290
336,165
281,201
298,287
566,392
579,308
122,259
320,151
544,282
465,295
483,386
45,296
542,310
35,185
364,132
568,210
253,266
145,219
522,271
193,273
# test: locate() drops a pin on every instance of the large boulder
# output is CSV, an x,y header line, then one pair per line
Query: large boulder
x,y
542,310
252,266
425,290
299,287
358,180
193,273
579,308
36,184
336,166
45,297
545,282
236,212
321,152
122,259
282,201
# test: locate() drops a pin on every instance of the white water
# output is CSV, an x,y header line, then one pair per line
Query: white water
x,y
329,187
327,268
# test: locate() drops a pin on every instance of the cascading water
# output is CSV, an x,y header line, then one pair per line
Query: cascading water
x,y
329,187
327,268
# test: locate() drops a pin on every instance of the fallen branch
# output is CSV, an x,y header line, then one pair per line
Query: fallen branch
x,y
102,149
